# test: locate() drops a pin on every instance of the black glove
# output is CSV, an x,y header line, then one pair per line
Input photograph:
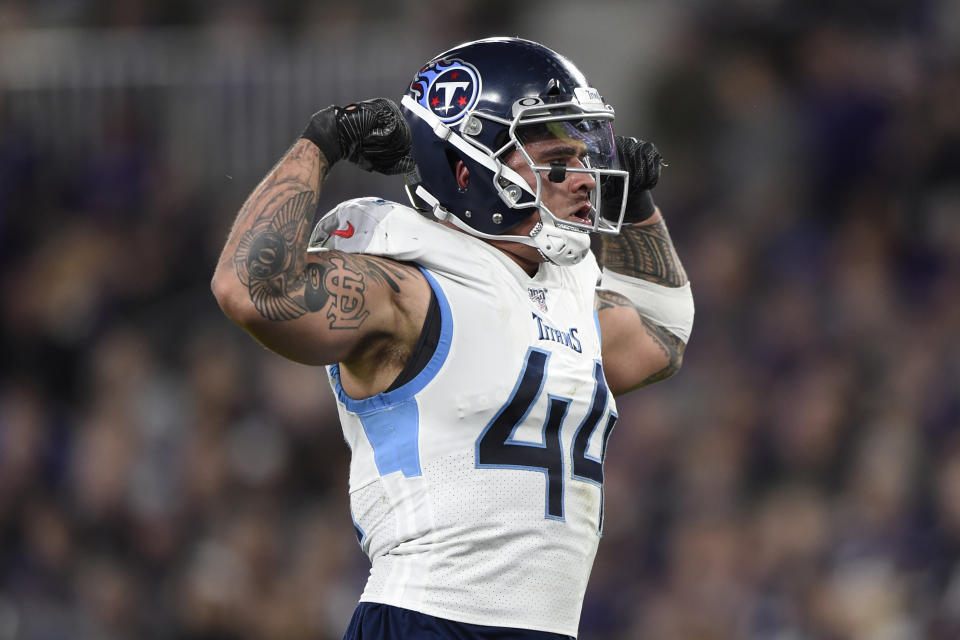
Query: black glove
x,y
372,134
643,162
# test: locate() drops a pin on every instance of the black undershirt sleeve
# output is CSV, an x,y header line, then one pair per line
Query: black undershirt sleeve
x,y
426,345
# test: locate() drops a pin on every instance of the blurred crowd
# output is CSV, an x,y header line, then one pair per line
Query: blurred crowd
x,y
162,476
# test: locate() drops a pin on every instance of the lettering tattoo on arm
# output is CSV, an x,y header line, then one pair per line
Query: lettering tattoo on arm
x,y
644,251
271,261
671,345
337,284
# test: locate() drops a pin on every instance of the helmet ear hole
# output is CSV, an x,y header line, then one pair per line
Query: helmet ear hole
x,y
452,159
461,173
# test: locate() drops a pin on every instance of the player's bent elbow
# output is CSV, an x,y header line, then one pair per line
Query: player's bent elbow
x,y
676,359
639,369
673,347
300,343
234,300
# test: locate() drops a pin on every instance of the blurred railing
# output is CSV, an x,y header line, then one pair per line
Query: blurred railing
x,y
223,103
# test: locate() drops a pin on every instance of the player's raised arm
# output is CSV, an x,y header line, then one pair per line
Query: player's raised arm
x,y
331,307
644,302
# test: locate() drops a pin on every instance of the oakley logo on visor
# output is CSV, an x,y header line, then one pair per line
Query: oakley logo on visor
x,y
448,88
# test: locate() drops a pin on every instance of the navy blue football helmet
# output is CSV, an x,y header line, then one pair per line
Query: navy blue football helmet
x,y
480,102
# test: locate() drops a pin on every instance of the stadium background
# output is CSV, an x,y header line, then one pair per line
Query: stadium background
x,y
161,476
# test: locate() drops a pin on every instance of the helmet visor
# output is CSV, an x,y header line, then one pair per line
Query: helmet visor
x,y
573,146
591,141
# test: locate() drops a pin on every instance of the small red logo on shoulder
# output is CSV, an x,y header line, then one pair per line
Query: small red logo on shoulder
x,y
345,233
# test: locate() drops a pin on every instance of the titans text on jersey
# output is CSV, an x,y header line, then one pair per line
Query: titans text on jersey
x,y
568,338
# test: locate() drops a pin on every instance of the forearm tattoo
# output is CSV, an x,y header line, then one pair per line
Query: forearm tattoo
x,y
671,346
271,261
644,251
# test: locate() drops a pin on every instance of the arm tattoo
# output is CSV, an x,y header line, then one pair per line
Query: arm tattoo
x,y
381,271
671,345
343,278
608,300
644,251
271,255
271,261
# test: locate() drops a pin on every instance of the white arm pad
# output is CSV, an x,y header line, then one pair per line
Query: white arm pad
x,y
669,307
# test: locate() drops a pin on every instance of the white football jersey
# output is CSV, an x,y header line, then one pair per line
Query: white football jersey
x,y
476,487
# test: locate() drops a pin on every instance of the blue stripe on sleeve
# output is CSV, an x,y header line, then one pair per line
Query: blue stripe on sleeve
x,y
391,421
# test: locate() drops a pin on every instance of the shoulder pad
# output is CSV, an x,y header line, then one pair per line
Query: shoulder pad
x,y
356,226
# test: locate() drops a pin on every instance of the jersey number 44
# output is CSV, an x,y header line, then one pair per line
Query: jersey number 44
x,y
496,448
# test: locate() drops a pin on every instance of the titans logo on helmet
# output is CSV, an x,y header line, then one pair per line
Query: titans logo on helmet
x,y
448,88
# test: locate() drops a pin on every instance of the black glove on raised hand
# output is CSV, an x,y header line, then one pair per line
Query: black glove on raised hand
x,y
643,162
372,134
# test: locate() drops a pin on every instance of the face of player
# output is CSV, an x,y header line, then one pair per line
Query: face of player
x,y
567,200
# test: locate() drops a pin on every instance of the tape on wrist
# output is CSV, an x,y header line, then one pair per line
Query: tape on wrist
x,y
670,307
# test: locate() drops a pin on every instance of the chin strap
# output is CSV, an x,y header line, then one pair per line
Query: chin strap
x,y
562,247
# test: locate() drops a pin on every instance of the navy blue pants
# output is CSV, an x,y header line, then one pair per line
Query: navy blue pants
x,y
372,621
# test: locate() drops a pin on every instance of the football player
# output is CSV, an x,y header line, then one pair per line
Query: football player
x,y
472,341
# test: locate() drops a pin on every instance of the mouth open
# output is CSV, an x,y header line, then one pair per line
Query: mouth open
x,y
584,214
